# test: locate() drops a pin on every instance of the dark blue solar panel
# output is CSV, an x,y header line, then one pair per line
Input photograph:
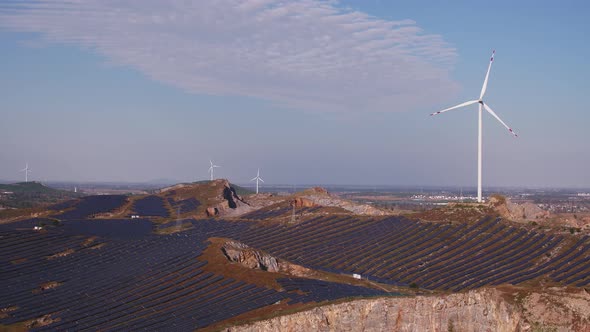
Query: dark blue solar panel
x,y
91,205
110,228
63,205
185,205
150,206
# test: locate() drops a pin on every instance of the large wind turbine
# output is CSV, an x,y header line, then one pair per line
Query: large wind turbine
x,y
479,137
26,170
211,168
257,178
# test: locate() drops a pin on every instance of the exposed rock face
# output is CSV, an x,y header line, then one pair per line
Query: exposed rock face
x,y
249,257
255,259
320,190
515,211
212,212
300,202
363,209
230,205
39,322
320,196
477,310
559,308
526,211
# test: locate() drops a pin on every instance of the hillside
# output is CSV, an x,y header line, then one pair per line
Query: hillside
x,y
31,194
506,309
201,256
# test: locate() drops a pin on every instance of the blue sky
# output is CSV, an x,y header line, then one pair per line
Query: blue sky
x,y
312,92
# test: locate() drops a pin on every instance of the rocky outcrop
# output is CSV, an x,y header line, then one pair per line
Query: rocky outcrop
x,y
477,310
361,209
249,257
230,203
212,212
517,211
562,309
320,196
300,202
256,259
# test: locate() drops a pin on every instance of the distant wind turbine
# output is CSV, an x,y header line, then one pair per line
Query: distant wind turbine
x,y
211,168
257,178
479,137
27,170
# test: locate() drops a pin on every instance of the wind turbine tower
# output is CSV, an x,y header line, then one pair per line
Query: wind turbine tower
x,y
27,170
257,178
482,105
212,168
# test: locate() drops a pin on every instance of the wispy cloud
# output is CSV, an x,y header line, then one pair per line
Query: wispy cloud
x,y
305,54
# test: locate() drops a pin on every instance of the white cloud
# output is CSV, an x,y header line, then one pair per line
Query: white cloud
x,y
305,54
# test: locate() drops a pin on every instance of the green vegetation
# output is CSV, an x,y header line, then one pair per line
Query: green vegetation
x,y
31,194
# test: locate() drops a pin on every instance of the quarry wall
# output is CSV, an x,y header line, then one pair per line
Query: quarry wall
x,y
477,310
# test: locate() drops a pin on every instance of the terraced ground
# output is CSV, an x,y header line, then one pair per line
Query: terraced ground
x,y
429,255
101,274
116,275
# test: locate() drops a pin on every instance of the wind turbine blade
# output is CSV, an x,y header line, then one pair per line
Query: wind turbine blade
x,y
457,106
253,179
260,180
485,82
498,118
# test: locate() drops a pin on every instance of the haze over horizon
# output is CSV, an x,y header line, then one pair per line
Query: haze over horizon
x,y
326,92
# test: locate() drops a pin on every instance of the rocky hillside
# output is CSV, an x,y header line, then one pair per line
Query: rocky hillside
x,y
217,198
511,309
322,197
515,211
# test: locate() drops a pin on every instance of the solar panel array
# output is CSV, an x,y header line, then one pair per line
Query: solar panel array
x,y
180,223
63,205
109,228
184,206
92,205
433,256
128,279
319,290
264,214
150,206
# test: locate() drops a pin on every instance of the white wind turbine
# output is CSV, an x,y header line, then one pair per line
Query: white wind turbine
x,y
257,178
479,139
27,170
211,168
